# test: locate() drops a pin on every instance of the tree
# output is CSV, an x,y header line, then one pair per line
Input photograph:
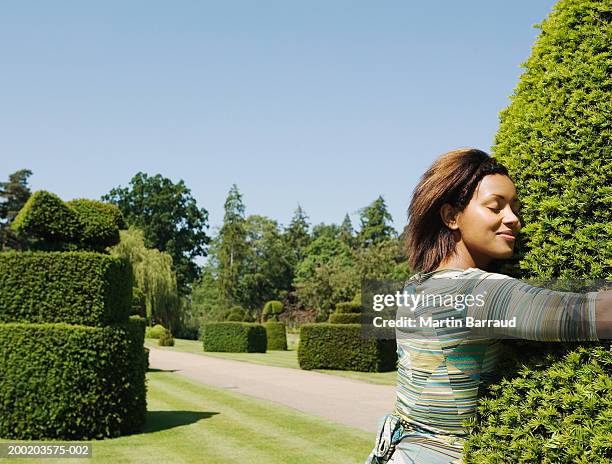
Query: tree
x,y
154,277
347,233
297,234
14,195
375,223
267,269
170,219
329,230
232,247
326,276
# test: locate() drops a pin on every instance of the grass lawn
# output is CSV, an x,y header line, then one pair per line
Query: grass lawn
x,y
274,358
192,423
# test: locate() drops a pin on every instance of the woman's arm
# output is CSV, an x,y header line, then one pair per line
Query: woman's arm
x,y
603,314
539,313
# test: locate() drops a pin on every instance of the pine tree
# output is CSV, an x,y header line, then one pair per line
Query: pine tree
x,y
347,233
232,246
14,195
297,234
375,223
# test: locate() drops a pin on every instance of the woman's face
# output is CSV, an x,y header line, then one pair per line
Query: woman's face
x,y
488,225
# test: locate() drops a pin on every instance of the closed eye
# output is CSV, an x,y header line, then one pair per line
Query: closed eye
x,y
495,210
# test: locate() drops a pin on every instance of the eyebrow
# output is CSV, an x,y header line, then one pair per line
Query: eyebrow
x,y
514,200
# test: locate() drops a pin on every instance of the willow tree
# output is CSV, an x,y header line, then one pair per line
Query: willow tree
x,y
154,277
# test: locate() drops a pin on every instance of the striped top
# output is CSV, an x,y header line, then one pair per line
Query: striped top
x,y
440,368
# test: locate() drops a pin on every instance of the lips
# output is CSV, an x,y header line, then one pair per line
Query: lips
x,y
508,235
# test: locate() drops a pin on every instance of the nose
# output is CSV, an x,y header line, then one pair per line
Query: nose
x,y
511,219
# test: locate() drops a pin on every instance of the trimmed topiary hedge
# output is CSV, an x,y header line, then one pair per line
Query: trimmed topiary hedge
x,y
166,339
47,217
345,318
72,287
155,332
234,337
341,346
99,222
51,224
554,410
348,307
272,309
60,381
276,333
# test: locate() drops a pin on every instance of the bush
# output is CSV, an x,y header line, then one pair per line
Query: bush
x,y
52,224
68,382
234,337
238,314
166,339
348,307
146,356
557,412
155,332
341,346
555,140
72,287
45,216
345,318
276,333
99,223
272,309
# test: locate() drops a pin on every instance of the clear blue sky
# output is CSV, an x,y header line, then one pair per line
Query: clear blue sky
x,y
324,103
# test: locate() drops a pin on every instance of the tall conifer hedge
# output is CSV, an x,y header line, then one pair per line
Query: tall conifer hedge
x,y
555,138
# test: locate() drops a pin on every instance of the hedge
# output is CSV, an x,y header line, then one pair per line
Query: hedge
x,y
345,318
341,346
155,332
68,382
348,307
52,224
99,222
272,309
554,410
234,337
276,333
72,287
47,217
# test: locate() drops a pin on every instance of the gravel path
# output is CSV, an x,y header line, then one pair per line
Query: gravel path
x,y
351,402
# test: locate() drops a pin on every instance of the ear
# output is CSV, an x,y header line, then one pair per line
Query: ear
x,y
449,216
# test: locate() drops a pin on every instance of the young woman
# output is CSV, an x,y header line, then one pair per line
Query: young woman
x,y
463,219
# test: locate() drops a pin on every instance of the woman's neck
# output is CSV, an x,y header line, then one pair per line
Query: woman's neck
x,y
461,258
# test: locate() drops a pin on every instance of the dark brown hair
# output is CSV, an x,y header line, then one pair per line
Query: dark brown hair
x,y
452,179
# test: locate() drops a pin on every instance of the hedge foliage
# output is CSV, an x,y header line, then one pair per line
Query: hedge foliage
x,y
155,332
72,287
52,224
557,410
348,307
276,333
234,337
554,138
166,339
61,381
345,318
341,346
272,309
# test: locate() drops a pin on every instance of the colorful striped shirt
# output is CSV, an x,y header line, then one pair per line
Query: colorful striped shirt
x,y
441,367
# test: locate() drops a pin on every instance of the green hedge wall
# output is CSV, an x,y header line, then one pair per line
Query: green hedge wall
x,y
276,333
341,346
60,381
234,337
345,318
72,287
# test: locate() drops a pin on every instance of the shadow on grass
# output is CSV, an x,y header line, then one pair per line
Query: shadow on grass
x,y
164,420
161,370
